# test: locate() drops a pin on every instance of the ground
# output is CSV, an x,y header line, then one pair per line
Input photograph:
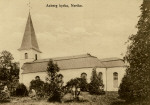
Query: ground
x,y
110,98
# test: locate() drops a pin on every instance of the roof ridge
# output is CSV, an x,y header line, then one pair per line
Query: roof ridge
x,y
61,59
110,59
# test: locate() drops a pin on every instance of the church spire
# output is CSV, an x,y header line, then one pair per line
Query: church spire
x,y
29,40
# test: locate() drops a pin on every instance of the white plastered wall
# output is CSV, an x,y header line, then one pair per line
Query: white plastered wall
x,y
27,78
68,74
31,57
110,71
73,73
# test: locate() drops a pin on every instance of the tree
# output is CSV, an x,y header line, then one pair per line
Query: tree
x,y
135,85
52,71
9,72
55,80
5,59
95,84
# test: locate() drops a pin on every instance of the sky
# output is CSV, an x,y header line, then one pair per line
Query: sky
x,y
100,27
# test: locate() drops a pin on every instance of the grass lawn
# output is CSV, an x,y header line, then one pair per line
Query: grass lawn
x,y
110,98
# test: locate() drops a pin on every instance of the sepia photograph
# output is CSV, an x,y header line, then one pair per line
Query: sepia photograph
x,y
75,52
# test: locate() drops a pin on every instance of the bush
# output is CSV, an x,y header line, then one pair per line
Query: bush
x,y
47,89
4,96
4,93
73,82
81,82
84,85
21,90
38,86
56,93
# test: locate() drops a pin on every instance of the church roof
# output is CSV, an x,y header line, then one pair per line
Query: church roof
x,y
29,39
64,63
73,62
113,62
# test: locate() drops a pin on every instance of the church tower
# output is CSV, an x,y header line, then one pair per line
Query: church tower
x,y
29,50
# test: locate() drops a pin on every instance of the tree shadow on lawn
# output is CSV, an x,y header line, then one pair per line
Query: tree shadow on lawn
x,y
4,101
119,103
128,103
80,101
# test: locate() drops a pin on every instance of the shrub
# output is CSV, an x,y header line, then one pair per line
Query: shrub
x,y
47,89
84,85
38,86
4,93
21,90
56,93
81,82
73,82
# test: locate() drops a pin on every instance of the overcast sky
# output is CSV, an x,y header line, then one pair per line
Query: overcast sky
x,y
100,27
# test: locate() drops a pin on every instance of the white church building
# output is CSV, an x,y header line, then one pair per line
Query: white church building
x,y
31,65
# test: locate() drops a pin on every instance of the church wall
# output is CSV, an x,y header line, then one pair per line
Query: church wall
x,y
68,74
73,73
27,78
103,70
110,78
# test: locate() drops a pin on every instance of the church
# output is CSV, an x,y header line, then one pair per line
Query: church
x,y
111,70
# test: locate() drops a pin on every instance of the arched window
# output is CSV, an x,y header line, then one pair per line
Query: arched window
x,y
115,79
26,55
35,56
100,75
84,75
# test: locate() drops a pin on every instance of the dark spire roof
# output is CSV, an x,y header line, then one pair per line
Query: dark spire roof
x,y
29,40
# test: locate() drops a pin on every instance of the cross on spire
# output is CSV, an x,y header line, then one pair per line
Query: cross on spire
x,y
29,5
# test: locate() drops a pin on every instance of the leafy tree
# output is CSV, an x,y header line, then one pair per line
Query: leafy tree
x,y
95,84
9,72
135,85
5,59
5,65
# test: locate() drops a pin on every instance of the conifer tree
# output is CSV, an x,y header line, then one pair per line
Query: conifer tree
x,y
54,88
94,86
135,85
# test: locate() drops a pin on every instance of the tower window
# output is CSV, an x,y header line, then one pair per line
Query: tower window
x,y
35,56
26,55
115,79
